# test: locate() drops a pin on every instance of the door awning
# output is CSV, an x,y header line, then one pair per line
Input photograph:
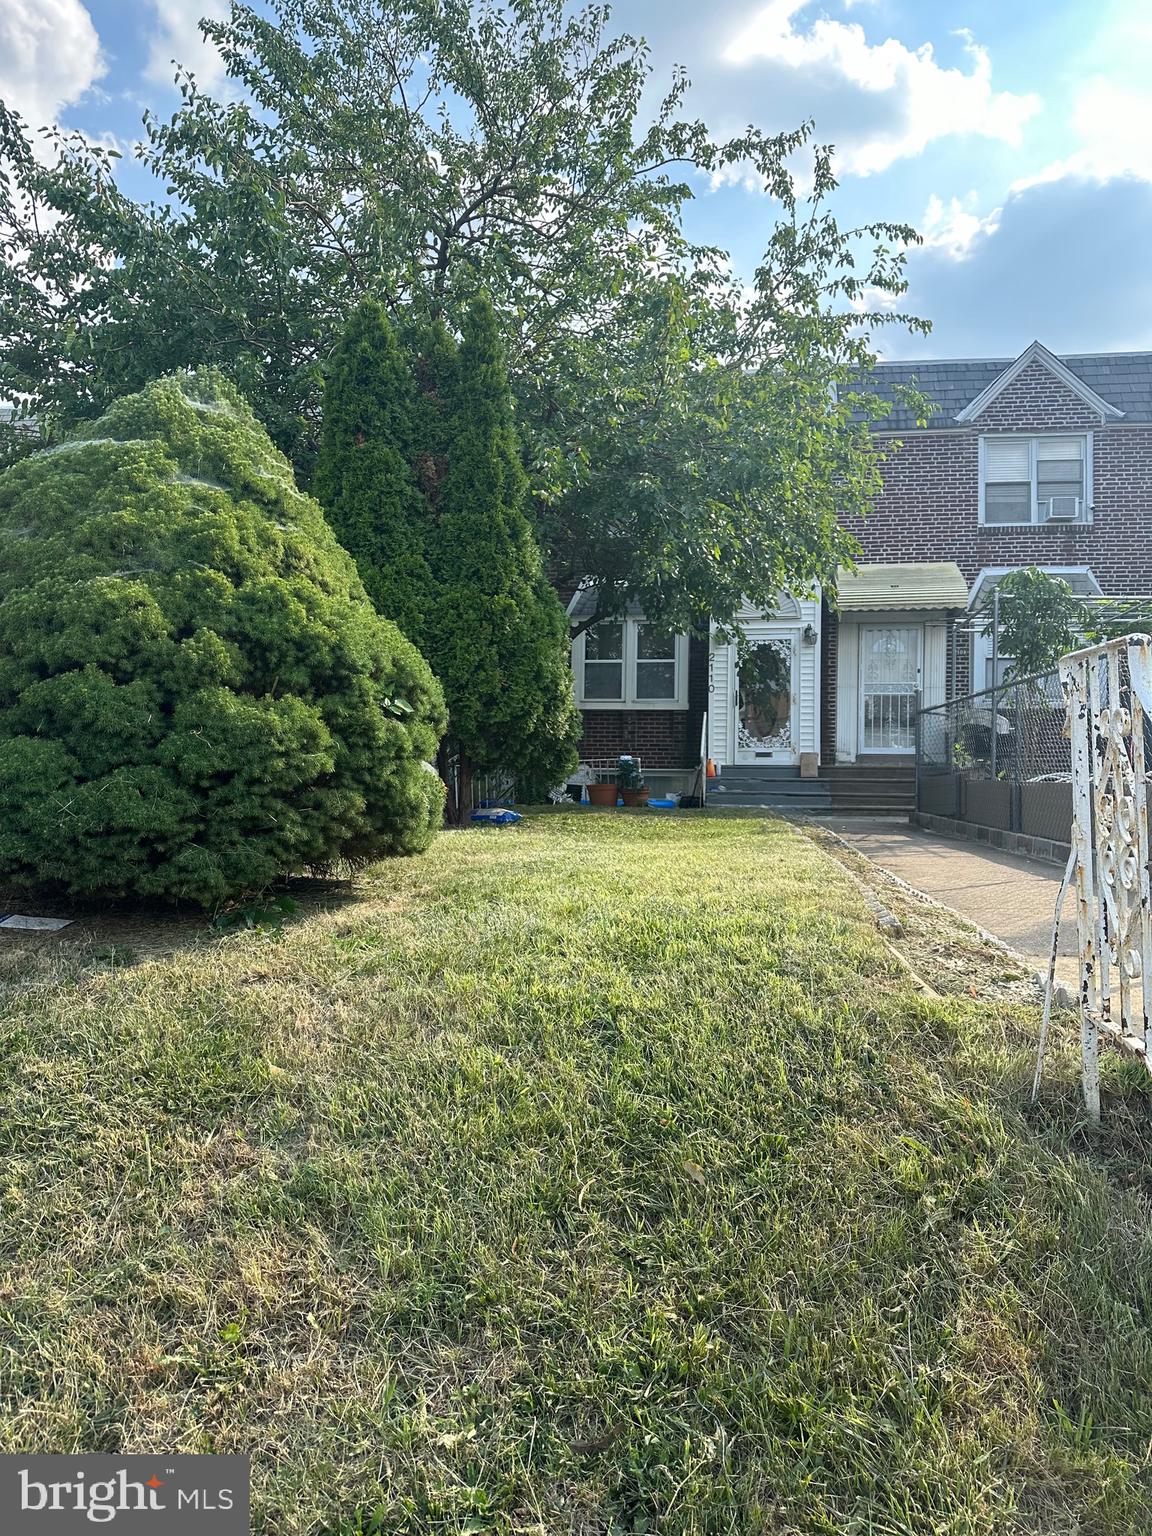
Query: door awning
x,y
920,584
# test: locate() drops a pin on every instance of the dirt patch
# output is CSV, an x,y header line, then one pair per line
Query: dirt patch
x,y
947,950
128,931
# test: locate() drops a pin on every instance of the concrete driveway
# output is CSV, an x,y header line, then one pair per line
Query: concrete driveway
x,y
1012,897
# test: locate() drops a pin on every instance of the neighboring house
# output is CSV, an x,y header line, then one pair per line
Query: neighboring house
x,y
1039,460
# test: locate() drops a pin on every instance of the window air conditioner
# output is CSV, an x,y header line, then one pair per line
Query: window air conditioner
x,y
1063,509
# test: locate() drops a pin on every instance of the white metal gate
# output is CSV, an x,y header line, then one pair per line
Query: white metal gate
x,y
1108,693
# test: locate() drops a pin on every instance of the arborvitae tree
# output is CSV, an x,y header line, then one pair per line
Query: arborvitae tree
x,y
364,472
496,634
196,696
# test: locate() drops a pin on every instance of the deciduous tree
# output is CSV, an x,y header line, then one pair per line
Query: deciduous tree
x,y
690,436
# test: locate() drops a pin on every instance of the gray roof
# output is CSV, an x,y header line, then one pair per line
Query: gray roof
x,y
587,599
1124,379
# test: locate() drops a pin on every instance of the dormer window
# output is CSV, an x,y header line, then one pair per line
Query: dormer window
x,y
1026,481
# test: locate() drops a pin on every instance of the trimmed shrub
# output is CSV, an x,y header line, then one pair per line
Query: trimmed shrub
x,y
196,695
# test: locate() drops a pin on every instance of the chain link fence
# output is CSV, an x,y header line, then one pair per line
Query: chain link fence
x,y
999,758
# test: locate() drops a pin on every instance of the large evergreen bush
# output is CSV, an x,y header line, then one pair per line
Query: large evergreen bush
x,y
196,695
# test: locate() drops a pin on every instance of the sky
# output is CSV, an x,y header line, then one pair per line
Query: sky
x,y
1015,135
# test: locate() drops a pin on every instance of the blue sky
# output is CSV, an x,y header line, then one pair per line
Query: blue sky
x,y
1016,135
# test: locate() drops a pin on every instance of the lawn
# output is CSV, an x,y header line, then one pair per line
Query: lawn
x,y
607,1174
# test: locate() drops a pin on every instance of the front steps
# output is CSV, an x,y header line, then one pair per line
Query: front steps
x,y
872,788
769,789
866,788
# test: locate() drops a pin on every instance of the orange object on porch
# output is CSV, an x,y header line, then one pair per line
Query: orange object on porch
x,y
711,769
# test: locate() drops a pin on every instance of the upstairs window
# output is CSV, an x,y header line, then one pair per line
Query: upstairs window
x,y
631,664
1033,480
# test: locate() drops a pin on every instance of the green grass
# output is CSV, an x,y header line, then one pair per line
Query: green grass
x,y
603,1175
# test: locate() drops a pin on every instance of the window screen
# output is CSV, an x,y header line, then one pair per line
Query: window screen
x,y
1059,469
1022,474
1007,480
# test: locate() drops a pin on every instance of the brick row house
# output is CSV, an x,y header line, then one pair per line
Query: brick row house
x,y
1036,460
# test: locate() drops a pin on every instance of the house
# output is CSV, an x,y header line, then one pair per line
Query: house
x,y
1038,460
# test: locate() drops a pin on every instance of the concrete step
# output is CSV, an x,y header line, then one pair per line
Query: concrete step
x,y
873,806
814,797
875,787
869,775
759,771
781,807
784,787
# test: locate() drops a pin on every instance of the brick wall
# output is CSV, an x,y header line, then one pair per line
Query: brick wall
x,y
929,509
660,738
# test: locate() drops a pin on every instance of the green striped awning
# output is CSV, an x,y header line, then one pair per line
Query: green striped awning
x,y
919,584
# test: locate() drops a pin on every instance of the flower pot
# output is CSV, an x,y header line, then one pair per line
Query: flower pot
x,y
630,796
602,794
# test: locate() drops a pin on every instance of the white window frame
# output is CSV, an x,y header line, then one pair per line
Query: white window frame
x,y
679,700
1032,438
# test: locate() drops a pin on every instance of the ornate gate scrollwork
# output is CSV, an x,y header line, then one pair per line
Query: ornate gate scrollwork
x,y
1108,693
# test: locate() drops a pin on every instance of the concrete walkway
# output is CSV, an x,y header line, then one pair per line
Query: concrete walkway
x,y
1011,897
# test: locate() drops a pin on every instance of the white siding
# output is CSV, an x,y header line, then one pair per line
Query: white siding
x,y
934,672
808,702
720,690
847,692
790,620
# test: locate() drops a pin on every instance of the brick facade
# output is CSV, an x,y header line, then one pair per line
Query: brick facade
x,y
660,738
929,510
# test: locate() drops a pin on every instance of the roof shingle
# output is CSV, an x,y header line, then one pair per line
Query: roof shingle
x,y
1124,379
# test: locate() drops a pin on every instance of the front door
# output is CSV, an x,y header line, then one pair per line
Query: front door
x,y
889,684
766,698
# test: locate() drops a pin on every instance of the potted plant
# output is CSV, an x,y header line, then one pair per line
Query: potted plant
x,y
633,790
602,793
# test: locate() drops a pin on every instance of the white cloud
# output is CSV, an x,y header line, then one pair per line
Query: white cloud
x,y
1114,127
177,36
49,56
880,102
954,228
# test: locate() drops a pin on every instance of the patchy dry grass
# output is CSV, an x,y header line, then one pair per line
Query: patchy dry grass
x,y
603,1175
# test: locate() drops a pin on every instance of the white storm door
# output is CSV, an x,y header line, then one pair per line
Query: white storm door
x,y
889,683
766,698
